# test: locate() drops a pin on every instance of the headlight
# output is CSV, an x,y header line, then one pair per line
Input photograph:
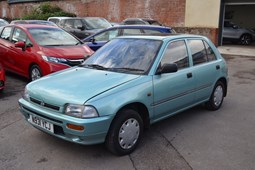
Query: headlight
x,y
25,94
54,59
81,111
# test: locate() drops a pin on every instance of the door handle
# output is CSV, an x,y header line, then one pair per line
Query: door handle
x,y
189,75
217,67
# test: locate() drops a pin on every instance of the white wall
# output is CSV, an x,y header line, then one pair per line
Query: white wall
x,y
202,13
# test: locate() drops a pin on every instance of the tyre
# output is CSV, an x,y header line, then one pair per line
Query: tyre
x,y
125,132
245,39
217,96
35,73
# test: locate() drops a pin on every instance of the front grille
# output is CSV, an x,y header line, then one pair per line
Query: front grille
x,y
74,62
38,114
44,104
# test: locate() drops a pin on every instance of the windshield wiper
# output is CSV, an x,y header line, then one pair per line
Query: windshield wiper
x,y
96,66
128,69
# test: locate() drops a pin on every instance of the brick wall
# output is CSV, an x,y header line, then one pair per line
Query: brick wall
x,y
168,12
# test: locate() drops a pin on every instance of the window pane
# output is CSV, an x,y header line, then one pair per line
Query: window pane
x,y
198,51
210,54
176,52
151,31
131,31
6,33
77,24
106,36
19,35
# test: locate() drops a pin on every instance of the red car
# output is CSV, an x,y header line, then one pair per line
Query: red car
x,y
2,77
34,51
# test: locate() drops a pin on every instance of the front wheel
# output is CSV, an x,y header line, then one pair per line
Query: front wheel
x,y
245,39
217,96
125,132
35,73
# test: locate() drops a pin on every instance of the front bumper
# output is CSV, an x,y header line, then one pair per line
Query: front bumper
x,y
95,128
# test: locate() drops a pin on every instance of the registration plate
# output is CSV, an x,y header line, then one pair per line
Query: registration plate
x,y
41,123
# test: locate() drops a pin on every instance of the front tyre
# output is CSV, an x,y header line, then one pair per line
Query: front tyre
x,y
245,39
125,132
217,96
35,72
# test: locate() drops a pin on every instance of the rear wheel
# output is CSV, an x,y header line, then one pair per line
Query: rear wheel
x,y
217,96
125,132
35,72
245,39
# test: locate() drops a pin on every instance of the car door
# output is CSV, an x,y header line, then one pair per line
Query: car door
x,y
102,38
206,68
174,91
231,31
18,58
5,45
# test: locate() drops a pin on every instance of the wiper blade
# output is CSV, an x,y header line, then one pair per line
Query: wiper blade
x,y
99,67
128,69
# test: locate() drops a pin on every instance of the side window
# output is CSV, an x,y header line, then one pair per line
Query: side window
x,y
198,51
69,23
129,22
151,31
56,21
131,31
140,23
176,52
77,24
6,33
210,54
19,35
107,35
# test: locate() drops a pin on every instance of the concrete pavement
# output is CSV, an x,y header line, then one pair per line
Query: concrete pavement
x,y
239,50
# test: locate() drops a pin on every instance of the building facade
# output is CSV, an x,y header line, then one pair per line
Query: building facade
x,y
204,17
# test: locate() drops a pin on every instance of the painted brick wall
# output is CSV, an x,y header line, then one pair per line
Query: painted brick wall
x,y
169,12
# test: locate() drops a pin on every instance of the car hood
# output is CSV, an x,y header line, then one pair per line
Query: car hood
x,y
76,85
67,52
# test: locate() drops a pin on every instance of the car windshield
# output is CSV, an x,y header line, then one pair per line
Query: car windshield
x,y
96,23
134,56
52,37
3,23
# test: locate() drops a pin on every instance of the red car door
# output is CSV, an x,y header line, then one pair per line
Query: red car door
x,y
5,45
19,58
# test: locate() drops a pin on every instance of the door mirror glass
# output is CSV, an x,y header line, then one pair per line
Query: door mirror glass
x,y
167,68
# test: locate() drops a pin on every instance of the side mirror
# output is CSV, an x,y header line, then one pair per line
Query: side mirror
x,y
167,68
235,26
20,44
93,40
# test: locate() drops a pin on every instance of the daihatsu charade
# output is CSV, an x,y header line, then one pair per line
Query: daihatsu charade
x,y
124,87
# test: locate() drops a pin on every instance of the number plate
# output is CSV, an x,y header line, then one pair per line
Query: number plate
x,y
41,123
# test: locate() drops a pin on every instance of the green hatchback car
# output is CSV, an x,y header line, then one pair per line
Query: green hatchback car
x,y
125,86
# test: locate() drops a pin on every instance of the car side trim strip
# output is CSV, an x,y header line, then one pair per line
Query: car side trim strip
x,y
181,94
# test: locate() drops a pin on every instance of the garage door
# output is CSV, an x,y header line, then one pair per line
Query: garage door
x,y
238,17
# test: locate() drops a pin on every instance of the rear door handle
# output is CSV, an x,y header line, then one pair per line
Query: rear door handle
x,y
217,67
189,75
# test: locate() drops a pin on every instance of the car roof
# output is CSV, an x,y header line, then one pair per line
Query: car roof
x,y
139,26
32,26
165,36
59,17
145,19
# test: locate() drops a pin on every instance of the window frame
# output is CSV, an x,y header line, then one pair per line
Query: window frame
x,y
187,52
